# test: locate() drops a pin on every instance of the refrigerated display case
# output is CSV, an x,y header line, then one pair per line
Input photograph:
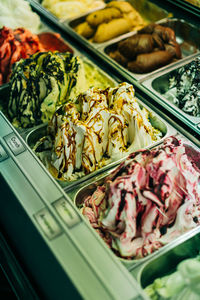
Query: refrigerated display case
x,y
52,238
57,253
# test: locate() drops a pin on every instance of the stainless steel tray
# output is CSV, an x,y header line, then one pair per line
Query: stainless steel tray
x,y
159,85
79,193
148,10
187,35
166,261
39,3
35,134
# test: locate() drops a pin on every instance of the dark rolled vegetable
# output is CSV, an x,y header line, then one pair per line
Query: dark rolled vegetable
x,y
150,61
118,57
137,44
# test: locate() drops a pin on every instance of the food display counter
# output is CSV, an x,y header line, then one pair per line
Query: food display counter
x,y
186,29
99,162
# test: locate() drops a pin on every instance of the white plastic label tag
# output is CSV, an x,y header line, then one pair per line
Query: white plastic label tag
x,y
14,143
47,223
67,212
